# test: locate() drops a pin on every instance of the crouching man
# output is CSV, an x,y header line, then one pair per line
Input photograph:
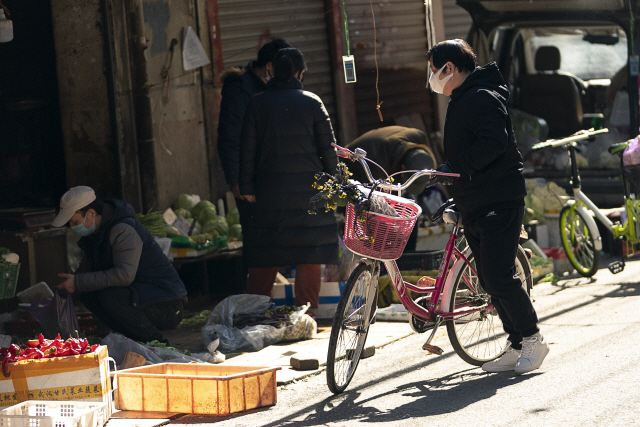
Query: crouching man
x,y
124,278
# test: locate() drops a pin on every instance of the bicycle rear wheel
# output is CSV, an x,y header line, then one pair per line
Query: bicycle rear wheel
x,y
578,242
349,330
479,337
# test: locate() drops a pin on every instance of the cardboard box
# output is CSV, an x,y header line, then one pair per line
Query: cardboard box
x,y
196,388
79,378
284,294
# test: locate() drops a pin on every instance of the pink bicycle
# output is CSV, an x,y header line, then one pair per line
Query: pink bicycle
x,y
454,298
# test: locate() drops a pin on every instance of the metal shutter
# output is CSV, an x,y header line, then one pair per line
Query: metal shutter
x,y
457,21
401,53
246,24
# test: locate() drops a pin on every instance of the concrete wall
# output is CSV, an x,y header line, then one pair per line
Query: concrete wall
x,y
90,152
176,100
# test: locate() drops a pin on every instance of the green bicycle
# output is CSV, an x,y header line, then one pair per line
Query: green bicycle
x,y
578,230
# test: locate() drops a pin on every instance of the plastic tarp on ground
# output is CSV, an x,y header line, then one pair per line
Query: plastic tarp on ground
x,y
220,324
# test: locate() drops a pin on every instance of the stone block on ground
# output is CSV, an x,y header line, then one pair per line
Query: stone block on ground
x,y
302,363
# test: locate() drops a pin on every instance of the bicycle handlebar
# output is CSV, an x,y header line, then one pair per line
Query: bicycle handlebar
x,y
359,155
578,136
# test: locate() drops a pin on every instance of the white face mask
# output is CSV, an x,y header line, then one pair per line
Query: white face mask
x,y
436,84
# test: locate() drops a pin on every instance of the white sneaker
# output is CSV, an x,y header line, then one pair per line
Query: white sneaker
x,y
534,350
506,362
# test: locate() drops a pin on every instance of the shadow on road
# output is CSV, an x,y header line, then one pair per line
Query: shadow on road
x,y
431,397
427,397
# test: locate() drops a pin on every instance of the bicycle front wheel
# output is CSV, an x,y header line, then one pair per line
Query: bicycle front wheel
x,y
349,330
479,337
524,270
578,242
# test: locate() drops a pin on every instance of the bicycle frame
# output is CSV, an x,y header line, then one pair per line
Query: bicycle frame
x,y
440,286
581,201
444,279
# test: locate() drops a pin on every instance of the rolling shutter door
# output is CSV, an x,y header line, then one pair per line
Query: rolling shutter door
x,y
457,21
246,24
401,54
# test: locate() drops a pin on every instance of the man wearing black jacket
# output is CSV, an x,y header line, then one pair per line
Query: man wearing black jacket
x,y
479,144
238,86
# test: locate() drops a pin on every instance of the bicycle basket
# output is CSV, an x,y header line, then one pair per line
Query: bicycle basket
x,y
379,236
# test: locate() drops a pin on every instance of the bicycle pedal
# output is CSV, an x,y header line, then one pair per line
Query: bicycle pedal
x,y
433,349
616,267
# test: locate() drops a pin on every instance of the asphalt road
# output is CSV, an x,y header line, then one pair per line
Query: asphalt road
x,y
591,376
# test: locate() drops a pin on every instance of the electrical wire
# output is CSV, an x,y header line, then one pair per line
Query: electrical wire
x,y
346,27
375,57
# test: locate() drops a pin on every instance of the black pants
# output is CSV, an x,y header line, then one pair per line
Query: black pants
x,y
113,306
493,239
246,211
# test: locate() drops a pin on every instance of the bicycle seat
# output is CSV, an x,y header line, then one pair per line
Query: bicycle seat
x,y
618,147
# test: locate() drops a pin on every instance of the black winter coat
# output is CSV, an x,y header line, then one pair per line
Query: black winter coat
x,y
286,140
480,145
238,86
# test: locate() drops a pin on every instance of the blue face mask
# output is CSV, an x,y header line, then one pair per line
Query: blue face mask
x,y
82,229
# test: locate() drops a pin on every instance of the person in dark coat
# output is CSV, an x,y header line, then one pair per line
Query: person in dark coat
x,y
239,84
124,278
395,148
286,140
479,144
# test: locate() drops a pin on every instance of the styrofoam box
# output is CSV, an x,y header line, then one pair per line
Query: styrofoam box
x,y
284,294
37,292
45,413
81,378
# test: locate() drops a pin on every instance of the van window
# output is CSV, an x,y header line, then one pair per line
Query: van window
x,y
582,58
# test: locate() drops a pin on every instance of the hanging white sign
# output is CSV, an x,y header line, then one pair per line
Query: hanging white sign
x,y
193,54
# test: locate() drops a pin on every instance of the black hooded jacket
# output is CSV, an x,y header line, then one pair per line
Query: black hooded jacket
x,y
113,257
480,145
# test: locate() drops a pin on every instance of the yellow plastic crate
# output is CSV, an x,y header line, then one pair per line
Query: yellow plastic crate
x,y
197,388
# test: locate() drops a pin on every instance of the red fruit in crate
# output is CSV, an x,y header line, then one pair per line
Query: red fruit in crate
x,y
33,343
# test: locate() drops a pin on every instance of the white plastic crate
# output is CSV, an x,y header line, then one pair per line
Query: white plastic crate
x,y
46,413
